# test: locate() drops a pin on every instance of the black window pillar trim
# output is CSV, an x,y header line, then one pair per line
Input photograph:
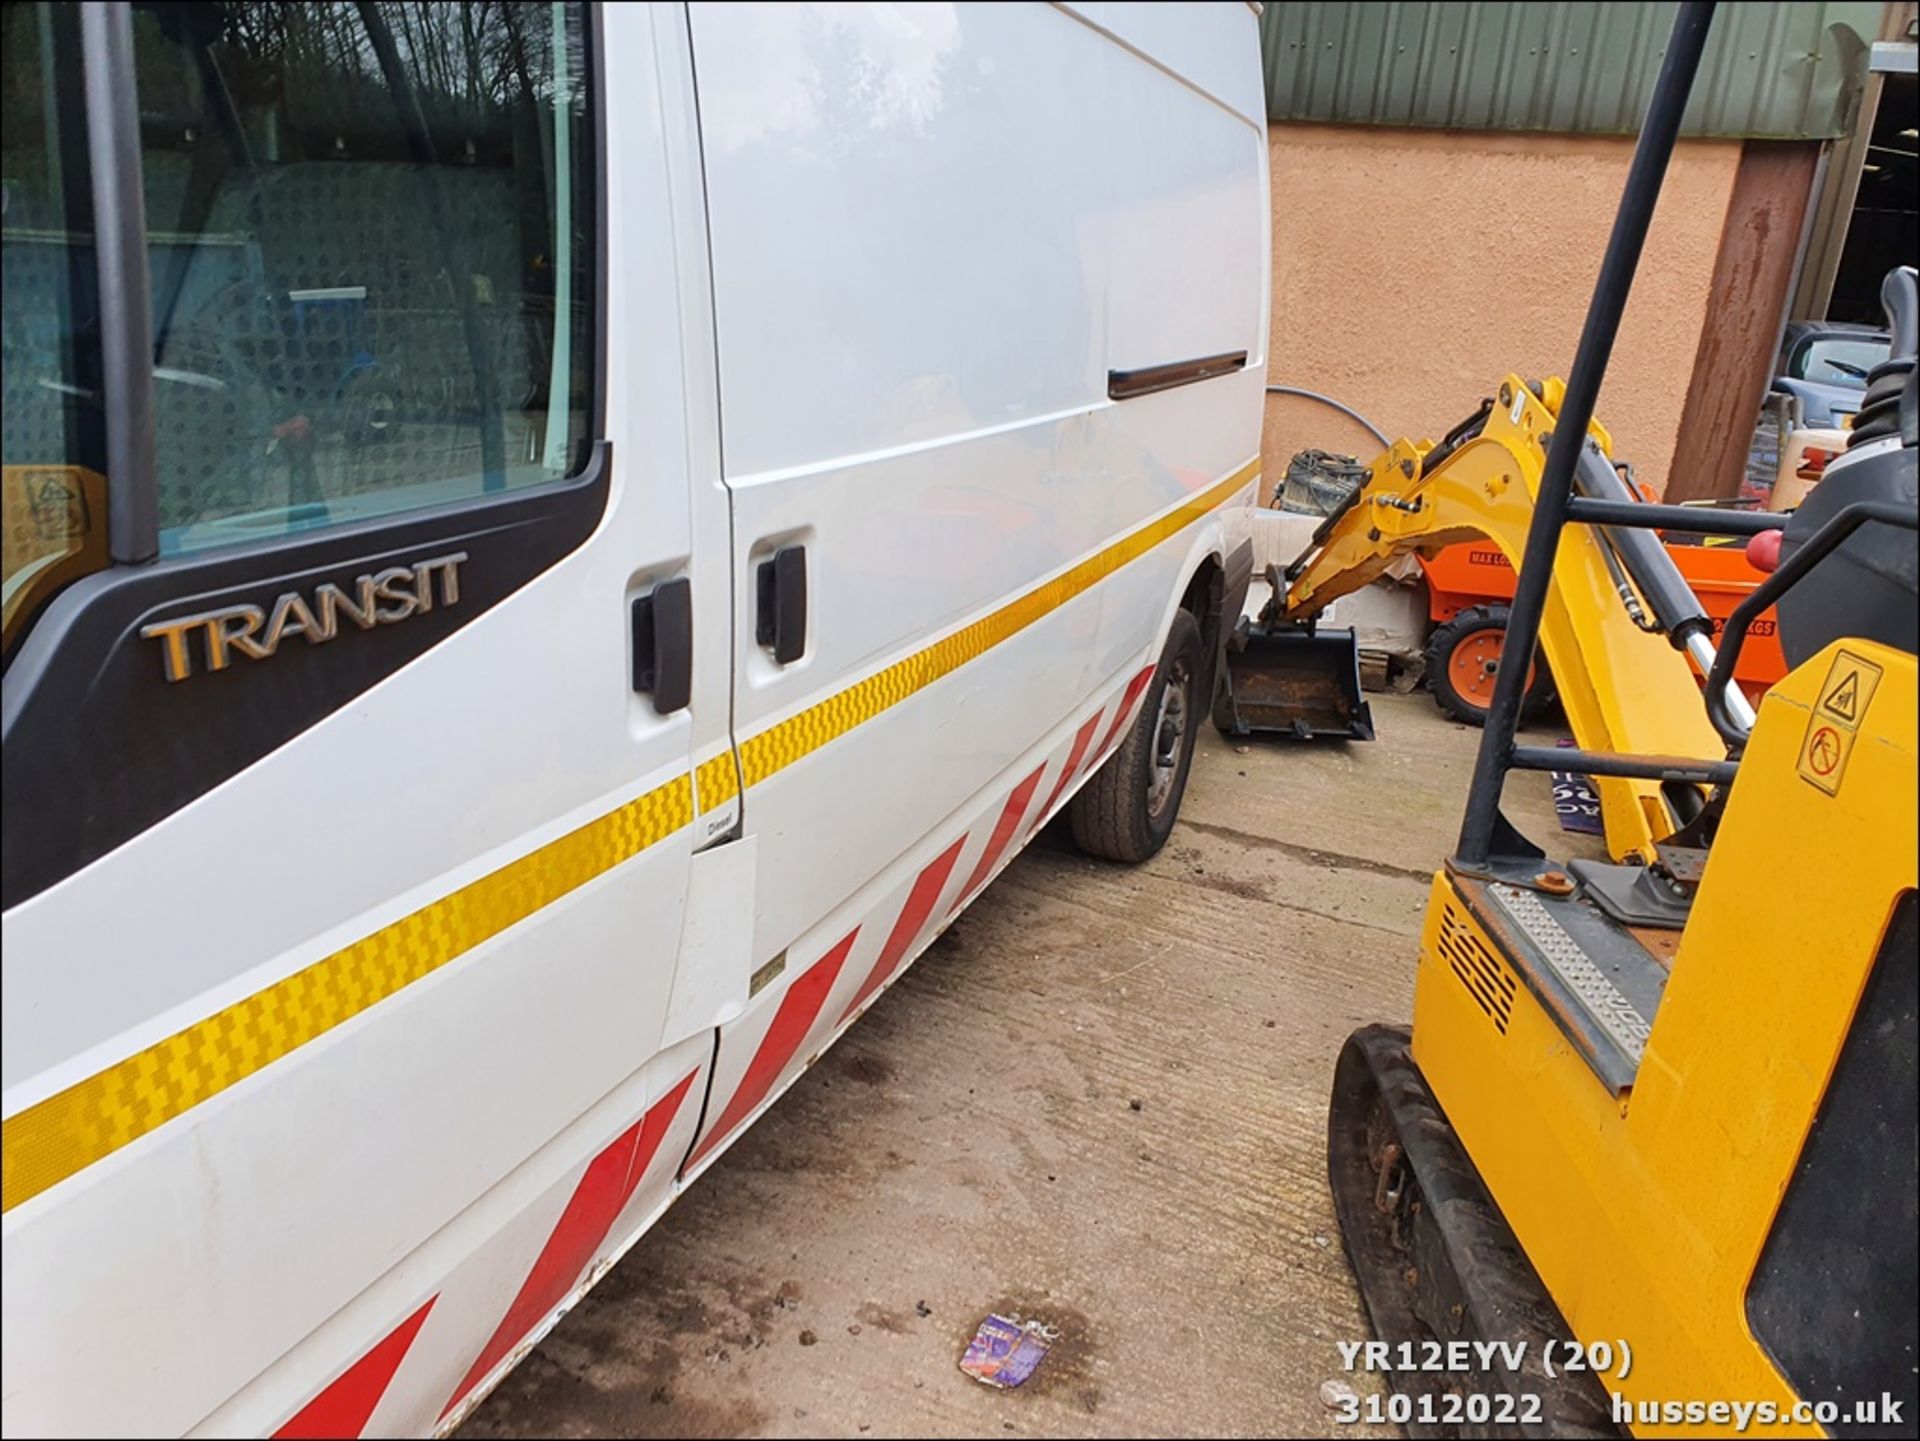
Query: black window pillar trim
x,y
120,252
596,82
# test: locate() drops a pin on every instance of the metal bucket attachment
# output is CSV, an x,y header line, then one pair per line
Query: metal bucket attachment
x,y
1294,681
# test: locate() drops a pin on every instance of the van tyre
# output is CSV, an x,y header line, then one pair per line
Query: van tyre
x,y
1126,812
1463,657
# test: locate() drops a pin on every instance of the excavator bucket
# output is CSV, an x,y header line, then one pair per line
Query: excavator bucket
x,y
1295,680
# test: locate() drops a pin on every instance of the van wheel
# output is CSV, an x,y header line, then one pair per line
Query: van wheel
x,y
1463,657
1126,812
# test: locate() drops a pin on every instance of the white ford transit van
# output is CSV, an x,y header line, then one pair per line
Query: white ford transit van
x,y
549,550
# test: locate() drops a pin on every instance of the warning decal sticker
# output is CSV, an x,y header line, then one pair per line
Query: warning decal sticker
x,y
1845,700
1835,724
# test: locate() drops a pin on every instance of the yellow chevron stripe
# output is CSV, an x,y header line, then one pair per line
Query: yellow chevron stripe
x,y
716,782
70,1130
779,747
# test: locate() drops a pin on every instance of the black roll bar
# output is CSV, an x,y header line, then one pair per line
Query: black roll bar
x,y
1592,510
1550,516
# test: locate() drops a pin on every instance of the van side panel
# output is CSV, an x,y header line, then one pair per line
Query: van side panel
x,y
935,231
1214,48
909,277
1187,278
916,217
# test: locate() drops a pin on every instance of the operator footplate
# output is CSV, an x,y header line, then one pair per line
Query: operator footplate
x,y
1598,983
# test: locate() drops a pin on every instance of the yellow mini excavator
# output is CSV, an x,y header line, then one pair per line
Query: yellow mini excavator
x,y
1651,1137
1616,658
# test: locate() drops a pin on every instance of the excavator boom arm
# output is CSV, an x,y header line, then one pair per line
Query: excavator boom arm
x,y
1624,688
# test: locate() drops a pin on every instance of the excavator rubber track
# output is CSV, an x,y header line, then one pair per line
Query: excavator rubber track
x,y
1436,1260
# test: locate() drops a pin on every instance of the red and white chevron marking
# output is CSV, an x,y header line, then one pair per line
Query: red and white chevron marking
x,y
763,1051
403,1383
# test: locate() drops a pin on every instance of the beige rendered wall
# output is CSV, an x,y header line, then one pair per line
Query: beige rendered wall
x,y
1413,268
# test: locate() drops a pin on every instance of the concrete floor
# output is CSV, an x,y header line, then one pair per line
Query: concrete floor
x,y
1099,1099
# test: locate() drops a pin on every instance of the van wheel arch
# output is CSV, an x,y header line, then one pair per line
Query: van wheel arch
x,y
1204,599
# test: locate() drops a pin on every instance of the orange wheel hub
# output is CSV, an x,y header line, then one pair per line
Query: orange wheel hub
x,y
1474,664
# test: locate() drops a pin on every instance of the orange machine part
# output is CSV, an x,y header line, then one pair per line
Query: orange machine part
x,y
1477,573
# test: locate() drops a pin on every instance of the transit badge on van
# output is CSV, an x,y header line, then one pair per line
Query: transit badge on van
x,y
383,597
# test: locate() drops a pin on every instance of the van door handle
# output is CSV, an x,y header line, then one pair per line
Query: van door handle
x,y
780,617
663,645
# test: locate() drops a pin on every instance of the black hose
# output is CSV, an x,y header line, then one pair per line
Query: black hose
x,y
1629,597
1465,431
1367,425
1676,608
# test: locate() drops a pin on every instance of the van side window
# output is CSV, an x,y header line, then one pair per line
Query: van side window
x,y
52,435
369,240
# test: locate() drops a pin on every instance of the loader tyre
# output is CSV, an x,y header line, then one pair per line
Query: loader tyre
x,y
1126,811
1463,657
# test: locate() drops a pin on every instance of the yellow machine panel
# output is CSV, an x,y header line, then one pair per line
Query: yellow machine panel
x,y
1645,1208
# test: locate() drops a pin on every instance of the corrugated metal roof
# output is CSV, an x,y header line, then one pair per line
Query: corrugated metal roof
x,y
1781,71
